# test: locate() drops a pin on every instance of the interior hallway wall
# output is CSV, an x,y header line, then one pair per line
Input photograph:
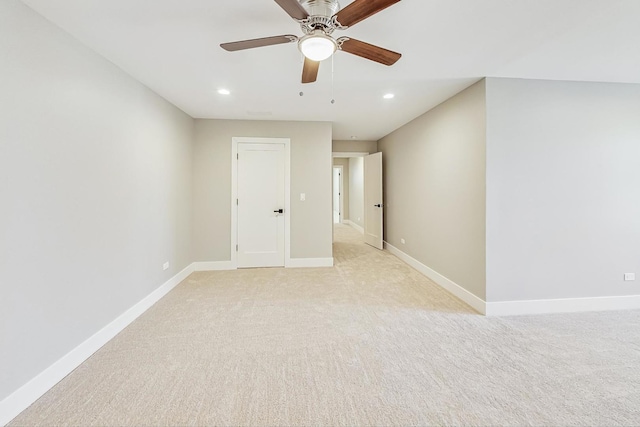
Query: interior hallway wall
x,y
95,189
434,188
311,220
344,162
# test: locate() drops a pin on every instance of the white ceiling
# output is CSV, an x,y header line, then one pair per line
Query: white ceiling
x,y
172,47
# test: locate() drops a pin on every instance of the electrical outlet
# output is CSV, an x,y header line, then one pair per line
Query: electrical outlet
x,y
629,276
402,241
165,266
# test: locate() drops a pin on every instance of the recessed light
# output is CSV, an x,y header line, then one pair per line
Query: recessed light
x,y
224,91
354,137
389,96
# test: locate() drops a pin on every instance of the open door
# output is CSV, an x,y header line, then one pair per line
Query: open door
x,y
373,200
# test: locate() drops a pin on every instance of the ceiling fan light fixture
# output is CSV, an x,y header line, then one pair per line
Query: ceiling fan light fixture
x,y
317,46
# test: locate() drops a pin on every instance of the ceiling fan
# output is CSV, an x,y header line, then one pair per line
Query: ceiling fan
x,y
318,19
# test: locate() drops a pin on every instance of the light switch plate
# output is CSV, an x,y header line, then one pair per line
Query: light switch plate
x,y
303,197
629,276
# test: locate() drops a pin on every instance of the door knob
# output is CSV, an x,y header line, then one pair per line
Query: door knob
x,y
279,211
379,205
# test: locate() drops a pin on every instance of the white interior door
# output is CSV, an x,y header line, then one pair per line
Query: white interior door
x,y
260,205
373,221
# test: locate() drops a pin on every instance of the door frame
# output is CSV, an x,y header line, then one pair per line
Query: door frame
x,y
234,193
341,191
347,155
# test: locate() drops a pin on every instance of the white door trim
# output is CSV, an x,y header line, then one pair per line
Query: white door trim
x,y
341,191
234,193
346,155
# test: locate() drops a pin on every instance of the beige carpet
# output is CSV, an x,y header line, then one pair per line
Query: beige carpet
x,y
369,342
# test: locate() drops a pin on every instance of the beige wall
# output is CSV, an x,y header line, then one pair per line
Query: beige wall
x,y
95,191
345,185
355,146
311,220
434,184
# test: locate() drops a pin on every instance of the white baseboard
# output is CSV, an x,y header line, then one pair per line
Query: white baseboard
x,y
22,398
514,308
214,266
308,262
477,303
289,263
564,305
354,225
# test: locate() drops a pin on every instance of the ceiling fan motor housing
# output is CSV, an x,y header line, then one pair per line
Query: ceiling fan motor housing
x,y
320,15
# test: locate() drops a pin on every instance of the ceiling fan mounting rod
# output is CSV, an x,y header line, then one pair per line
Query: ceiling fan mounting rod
x,y
326,8
321,15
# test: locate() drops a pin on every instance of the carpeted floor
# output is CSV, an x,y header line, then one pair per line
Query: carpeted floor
x,y
369,342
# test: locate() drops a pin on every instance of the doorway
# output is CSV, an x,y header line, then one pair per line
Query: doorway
x,y
260,202
362,208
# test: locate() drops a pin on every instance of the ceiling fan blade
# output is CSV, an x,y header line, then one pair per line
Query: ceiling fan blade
x,y
361,9
368,51
266,41
294,9
310,71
